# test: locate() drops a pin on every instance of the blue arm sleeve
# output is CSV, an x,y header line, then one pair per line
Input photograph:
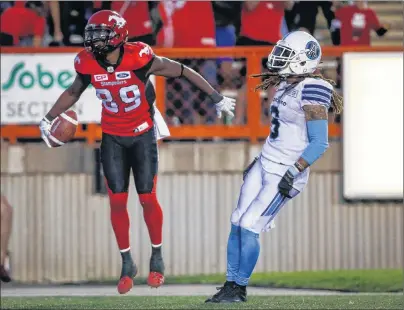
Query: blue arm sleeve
x,y
317,132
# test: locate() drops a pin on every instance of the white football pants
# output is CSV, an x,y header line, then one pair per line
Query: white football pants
x,y
260,200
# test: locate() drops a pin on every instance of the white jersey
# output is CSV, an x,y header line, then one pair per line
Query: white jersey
x,y
288,138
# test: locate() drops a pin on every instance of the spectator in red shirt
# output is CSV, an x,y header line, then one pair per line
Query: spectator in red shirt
x,y
137,16
355,23
261,22
22,21
186,24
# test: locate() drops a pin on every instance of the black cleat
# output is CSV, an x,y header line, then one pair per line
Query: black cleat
x,y
242,292
228,293
4,275
5,269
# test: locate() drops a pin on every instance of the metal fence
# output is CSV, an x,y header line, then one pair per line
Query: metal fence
x,y
62,233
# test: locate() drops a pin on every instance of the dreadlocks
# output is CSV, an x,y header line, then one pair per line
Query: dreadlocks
x,y
273,79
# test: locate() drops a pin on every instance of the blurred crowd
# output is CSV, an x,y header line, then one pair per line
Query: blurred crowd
x,y
176,23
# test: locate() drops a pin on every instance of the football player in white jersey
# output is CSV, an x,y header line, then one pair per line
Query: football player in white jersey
x,y
299,136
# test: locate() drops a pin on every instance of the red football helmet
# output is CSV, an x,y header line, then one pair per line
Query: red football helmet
x,y
105,31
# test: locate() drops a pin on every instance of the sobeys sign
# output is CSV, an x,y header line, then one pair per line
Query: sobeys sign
x,y
31,83
25,79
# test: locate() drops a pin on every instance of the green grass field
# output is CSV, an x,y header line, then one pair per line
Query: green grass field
x,y
372,281
276,302
366,281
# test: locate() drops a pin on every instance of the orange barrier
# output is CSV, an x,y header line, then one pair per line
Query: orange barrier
x,y
252,130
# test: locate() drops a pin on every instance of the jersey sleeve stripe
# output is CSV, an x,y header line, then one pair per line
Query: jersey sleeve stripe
x,y
315,92
317,87
316,99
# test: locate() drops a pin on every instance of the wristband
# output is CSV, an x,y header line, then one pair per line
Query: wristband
x,y
216,97
49,117
299,166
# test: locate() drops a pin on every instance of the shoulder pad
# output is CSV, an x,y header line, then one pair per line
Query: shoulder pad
x,y
140,51
81,60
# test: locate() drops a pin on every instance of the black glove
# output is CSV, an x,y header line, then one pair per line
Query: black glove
x,y
246,170
286,183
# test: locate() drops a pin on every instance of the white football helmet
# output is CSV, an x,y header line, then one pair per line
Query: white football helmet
x,y
297,53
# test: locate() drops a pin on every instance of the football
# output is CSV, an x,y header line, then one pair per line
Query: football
x,y
63,128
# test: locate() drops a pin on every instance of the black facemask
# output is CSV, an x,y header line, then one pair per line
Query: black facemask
x,y
97,39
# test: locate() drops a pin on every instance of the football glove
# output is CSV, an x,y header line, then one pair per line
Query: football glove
x,y
286,183
45,127
225,105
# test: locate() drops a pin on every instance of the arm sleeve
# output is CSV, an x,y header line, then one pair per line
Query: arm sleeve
x,y
317,132
316,92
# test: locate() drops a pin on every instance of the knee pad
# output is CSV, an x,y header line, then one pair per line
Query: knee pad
x,y
148,200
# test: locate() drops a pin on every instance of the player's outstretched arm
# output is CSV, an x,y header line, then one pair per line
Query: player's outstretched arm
x,y
66,100
317,132
162,66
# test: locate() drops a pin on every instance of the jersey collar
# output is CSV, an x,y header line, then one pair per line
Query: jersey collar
x,y
110,68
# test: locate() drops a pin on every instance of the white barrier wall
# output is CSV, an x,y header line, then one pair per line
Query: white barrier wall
x,y
373,126
61,232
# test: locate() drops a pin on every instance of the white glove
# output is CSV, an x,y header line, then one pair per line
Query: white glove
x,y
45,127
225,105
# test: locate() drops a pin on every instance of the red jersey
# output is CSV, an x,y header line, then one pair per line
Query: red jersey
x,y
20,22
264,22
126,93
136,14
356,24
177,18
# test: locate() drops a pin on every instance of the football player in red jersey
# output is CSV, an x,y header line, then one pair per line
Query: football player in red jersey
x,y
120,71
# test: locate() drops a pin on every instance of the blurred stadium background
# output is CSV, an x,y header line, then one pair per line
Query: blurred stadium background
x,y
349,217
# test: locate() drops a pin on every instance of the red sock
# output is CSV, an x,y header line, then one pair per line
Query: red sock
x,y
153,216
120,218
